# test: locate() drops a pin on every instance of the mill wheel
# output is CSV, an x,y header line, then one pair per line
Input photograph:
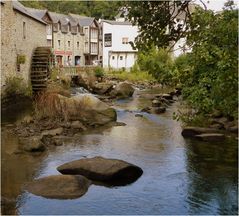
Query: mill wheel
x,y
40,68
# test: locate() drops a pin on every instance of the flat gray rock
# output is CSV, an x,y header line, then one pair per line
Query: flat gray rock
x,y
193,131
60,186
211,137
116,172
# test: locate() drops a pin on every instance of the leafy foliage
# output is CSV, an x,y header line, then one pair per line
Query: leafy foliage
x,y
209,75
158,63
158,22
16,86
135,75
97,9
99,72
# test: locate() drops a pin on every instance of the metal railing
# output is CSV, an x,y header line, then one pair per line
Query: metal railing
x,y
74,71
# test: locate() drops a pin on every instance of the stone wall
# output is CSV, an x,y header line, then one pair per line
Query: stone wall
x,y
13,41
8,53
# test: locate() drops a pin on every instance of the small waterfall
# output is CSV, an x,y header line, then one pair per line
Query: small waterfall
x,y
79,90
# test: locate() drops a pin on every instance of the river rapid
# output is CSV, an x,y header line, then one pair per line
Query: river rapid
x,y
181,176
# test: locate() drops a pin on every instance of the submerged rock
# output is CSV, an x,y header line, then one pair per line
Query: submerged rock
x,y
167,96
53,132
32,144
158,110
60,186
112,171
156,103
138,115
233,129
122,90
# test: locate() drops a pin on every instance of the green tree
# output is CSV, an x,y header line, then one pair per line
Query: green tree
x,y
158,63
158,22
210,78
97,9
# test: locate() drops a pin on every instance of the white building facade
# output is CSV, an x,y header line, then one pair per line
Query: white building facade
x,y
117,50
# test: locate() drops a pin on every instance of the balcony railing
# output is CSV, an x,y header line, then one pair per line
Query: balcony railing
x,y
74,71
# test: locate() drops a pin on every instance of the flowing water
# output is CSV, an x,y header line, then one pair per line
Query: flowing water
x,y
180,176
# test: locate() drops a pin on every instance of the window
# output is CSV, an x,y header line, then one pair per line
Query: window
x,y
86,47
24,30
78,45
121,57
86,31
69,43
81,30
94,33
59,43
18,68
113,57
125,40
94,48
108,40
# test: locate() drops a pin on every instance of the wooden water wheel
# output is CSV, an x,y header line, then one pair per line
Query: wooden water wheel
x,y
40,68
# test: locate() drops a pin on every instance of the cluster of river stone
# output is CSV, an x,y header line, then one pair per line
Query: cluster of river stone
x,y
78,175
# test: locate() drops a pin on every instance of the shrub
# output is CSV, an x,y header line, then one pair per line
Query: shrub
x,y
21,59
17,86
133,76
99,72
209,74
158,63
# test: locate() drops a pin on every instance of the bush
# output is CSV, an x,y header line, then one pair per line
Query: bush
x,y
133,75
17,86
209,75
99,72
158,63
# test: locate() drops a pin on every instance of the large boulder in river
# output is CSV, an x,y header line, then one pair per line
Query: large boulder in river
x,y
122,90
60,186
112,171
103,88
87,109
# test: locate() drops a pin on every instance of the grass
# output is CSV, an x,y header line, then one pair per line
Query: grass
x,y
133,76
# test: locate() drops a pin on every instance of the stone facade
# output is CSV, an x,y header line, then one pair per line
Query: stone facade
x,y
68,45
20,35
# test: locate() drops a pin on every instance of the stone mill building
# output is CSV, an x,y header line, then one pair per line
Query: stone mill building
x,y
21,33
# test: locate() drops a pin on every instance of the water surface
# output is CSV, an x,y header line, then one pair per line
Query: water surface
x,y
180,176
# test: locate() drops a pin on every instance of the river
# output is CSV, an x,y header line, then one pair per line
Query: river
x,y
180,176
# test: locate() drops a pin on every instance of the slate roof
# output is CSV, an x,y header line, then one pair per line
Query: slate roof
x,y
20,8
82,20
112,22
37,12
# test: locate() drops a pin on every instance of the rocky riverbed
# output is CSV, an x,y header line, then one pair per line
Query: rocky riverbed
x,y
173,166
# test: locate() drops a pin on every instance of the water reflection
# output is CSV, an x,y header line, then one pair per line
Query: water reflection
x,y
213,177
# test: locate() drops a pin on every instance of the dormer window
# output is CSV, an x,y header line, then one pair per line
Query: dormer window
x,y
81,30
59,26
69,28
